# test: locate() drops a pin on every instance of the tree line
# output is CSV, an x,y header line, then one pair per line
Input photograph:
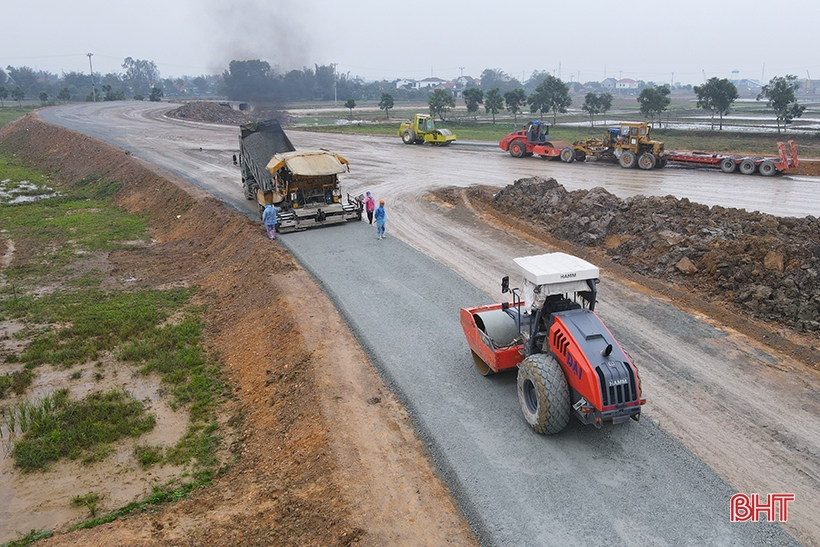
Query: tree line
x,y
255,80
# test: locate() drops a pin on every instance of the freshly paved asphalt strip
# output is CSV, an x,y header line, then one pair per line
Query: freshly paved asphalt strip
x,y
630,484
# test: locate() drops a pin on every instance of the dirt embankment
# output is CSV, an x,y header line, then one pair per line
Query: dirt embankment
x,y
761,265
327,455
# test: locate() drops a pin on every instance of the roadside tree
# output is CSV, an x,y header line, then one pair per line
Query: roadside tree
x,y
140,75
653,101
18,95
494,102
596,104
350,104
64,95
717,95
4,93
551,94
248,80
515,101
473,97
440,102
156,95
111,95
25,78
779,93
495,77
43,97
386,104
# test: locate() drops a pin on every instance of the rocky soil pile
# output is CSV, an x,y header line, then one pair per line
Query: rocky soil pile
x,y
222,113
766,265
209,112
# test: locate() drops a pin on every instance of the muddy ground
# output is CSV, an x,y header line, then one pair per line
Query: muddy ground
x,y
327,456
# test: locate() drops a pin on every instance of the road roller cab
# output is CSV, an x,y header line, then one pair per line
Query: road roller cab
x,y
568,362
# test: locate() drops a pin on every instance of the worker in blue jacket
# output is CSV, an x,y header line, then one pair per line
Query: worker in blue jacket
x,y
269,219
380,216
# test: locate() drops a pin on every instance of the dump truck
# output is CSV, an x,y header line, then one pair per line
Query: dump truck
x,y
567,361
421,129
303,184
745,164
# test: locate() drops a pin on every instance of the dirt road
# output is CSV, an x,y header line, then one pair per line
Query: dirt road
x,y
746,411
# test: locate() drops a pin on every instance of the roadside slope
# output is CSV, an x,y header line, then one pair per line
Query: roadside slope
x,y
327,456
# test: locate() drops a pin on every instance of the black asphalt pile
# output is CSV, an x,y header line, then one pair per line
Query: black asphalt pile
x,y
767,265
210,112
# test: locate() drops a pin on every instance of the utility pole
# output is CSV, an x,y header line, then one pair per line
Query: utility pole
x,y
334,85
91,68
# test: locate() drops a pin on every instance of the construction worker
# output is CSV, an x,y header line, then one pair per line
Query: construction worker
x,y
369,206
269,219
380,217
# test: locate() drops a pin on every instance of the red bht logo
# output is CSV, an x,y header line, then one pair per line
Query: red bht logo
x,y
745,507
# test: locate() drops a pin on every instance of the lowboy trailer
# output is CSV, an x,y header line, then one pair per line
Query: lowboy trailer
x,y
744,164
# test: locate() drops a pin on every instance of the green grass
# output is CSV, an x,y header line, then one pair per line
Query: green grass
x,y
161,495
89,501
81,220
159,332
95,322
10,113
28,539
57,427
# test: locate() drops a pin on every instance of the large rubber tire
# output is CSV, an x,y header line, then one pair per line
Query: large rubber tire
x,y
662,162
543,394
567,155
647,161
518,149
628,160
747,167
482,367
767,168
580,156
728,165
409,136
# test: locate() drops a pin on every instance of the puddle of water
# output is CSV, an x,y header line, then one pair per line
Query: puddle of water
x,y
42,500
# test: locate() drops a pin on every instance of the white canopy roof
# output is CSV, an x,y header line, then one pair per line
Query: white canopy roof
x,y
308,163
554,268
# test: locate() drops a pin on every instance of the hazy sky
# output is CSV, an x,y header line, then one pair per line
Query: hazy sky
x,y
385,39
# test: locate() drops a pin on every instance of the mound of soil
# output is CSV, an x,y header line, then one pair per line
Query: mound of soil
x,y
222,113
210,112
325,455
764,265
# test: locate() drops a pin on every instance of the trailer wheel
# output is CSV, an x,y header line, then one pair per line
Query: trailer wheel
x,y
543,394
647,161
567,155
628,160
409,136
518,149
728,165
580,156
767,168
482,367
747,167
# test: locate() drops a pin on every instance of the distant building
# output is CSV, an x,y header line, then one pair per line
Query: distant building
x,y
626,84
609,84
430,82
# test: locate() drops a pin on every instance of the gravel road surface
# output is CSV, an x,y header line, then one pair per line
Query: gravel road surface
x,y
719,398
